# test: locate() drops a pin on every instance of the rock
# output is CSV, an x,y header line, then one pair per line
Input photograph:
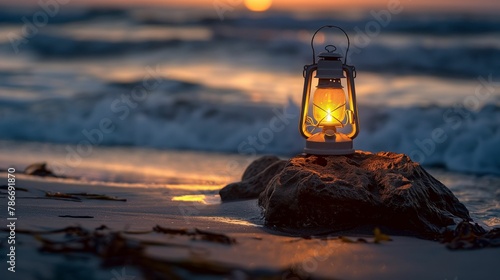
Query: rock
x,y
342,192
469,236
356,191
258,165
39,169
254,179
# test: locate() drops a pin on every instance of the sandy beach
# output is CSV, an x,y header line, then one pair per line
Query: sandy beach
x,y
247,251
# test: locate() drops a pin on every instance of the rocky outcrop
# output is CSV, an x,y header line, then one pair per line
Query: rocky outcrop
x,y
345,192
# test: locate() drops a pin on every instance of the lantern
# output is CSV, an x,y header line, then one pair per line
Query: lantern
x,y
333,123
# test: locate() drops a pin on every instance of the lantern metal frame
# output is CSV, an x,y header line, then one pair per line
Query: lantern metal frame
x,y
329,142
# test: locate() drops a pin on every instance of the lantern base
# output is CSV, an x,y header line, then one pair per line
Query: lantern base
x,y
322,144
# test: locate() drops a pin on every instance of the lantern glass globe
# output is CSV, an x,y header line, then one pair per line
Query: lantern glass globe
x,y
329,107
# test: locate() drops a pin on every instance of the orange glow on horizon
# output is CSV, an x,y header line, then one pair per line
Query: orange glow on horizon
x,y
297,5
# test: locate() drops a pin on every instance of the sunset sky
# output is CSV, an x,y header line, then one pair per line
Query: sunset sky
x,y
477,5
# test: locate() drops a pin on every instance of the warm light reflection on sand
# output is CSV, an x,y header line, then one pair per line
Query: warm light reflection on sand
x,y
186,187
175,179
198,198
191,198
231,221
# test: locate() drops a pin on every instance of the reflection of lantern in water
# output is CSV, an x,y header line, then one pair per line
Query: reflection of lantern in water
x,y
330,109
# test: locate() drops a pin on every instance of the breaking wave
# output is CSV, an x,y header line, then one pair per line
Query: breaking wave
x,y
461,140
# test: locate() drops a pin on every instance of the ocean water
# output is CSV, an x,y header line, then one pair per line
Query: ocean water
x,y
121,95
212,84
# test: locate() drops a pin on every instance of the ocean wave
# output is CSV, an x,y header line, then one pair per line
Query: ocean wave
x,y
277,37
456,139
54,46
411,23
415,23
413,58
445,46
446,61
16,15
446,25
437,24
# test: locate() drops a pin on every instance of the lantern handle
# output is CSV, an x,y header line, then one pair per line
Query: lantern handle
x,y
329,26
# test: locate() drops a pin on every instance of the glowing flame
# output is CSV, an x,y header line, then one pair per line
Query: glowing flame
x,y
329,117
329,106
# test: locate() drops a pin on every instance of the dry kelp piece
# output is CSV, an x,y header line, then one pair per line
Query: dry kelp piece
x,y
379,236
61,195
76,217
97,196
79,196
197,233
102,227
116,250
58,195
468,236
215,237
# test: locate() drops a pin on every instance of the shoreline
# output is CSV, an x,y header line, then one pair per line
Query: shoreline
x,y
258,250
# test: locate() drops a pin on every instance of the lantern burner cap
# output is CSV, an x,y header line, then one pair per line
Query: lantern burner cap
x,y
330,56
330,53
